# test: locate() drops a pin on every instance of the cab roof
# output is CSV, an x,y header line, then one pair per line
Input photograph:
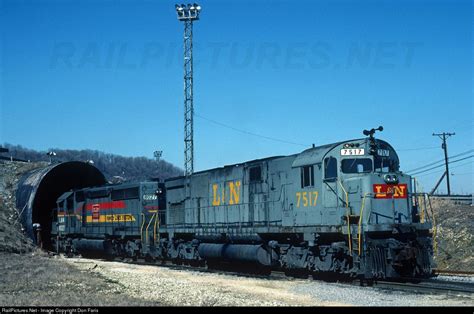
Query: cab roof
x,y
315,155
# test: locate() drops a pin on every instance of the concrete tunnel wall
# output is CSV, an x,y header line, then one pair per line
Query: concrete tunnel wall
x,y
39,189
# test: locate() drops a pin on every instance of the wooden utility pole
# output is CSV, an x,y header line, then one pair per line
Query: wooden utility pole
x,y
443,136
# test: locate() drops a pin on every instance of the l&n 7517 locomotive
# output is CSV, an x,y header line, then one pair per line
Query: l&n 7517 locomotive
x,y
338,209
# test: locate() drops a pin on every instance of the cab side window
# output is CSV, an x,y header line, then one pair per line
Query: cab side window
x,y
255,174
307,176
330,168
70,204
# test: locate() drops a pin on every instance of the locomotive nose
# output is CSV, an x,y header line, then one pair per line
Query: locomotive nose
x,y
390,198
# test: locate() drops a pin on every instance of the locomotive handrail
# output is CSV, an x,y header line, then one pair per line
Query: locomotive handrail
x,y
154,228
423,208
360,221
417,197
141,228
345,192
432,218
335,193
435,228
347,217
148,226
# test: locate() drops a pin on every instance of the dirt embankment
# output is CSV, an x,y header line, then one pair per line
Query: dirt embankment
x,y
12,238
34,279
454,235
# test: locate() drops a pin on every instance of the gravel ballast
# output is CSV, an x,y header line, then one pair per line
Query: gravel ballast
x,y
194,288
41,280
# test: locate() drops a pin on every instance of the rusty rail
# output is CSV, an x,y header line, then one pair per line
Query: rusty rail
x,y
453,272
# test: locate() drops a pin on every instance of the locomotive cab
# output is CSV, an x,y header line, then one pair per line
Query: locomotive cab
x,y
373,198
60,218
369,178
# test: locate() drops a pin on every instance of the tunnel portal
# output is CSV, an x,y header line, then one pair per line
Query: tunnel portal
x,y
39,189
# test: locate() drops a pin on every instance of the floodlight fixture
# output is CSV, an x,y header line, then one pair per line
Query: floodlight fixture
x,y
51,154
189,12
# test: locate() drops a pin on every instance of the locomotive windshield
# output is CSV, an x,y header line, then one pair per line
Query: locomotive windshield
x,y
385,159
364,165
385,164
356,165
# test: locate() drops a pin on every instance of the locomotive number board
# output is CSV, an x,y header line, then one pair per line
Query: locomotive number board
x,y
352,152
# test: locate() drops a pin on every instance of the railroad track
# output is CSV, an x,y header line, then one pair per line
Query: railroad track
x,y
453,272
432,286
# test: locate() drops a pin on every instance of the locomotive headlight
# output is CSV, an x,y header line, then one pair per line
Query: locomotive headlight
x,y
390,178
350,145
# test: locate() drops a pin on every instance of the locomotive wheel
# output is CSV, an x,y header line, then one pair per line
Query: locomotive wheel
x,y
297,273
325,276
366,282
194,263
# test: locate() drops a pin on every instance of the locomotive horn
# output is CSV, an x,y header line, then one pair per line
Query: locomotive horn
x,y
372,131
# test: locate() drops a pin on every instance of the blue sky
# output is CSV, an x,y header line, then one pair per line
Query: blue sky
x,y
108,75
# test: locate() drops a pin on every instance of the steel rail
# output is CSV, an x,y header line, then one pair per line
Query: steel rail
x,y
453,272
429,286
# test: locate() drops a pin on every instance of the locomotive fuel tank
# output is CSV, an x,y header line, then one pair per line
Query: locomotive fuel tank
x,y
93,246
238,252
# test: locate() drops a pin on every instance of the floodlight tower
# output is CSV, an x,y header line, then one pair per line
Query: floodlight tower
x,y
157,154
188,14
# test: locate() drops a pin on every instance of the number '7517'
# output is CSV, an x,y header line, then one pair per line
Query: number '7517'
x,y
305,199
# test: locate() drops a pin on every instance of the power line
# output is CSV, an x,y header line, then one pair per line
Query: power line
x,y
438,171
427,165
463,153
415,149
249,133
417,140
450,162
463,174
441,160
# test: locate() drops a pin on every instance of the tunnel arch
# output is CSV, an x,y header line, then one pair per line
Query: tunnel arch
x,y
39,189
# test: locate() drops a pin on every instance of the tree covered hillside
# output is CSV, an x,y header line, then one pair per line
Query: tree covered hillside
x,y
114,167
